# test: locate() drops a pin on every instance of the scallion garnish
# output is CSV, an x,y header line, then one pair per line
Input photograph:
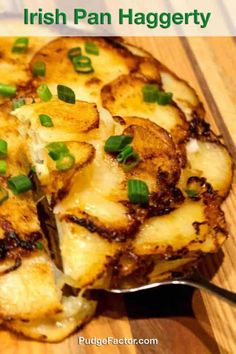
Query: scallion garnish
x,y
138,192
45,120
39,68
65,162
3,148
56,149
116,143
91,48
65,94
4,195
7,90
39,245
44,93
150,92
125,153
20,184
82,64
3,167
74,52
20,45
164,98
18,103
131,161
192,193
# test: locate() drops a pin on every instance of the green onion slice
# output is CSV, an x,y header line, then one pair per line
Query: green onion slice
x,y
125,153
44,93
20,45
4,195
74,52
82,64
7,90
65,94
39,68
131,161
45,120
65,162
138,192
3,167
18,103
20,184
164,98
192,193
56,149
116,143
3,148
91,48
39,245
150,92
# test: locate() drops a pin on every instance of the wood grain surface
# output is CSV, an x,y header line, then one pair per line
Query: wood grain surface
x,y
185,321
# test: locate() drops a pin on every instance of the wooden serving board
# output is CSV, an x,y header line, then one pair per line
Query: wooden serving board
x,y
182,319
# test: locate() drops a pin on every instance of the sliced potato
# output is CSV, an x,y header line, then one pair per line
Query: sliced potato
x,y
196,226
86,255
75,312
70,121
123,97
22,290
212,161
184,95
112,61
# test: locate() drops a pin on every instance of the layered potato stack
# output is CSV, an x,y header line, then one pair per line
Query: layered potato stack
x,y
105,239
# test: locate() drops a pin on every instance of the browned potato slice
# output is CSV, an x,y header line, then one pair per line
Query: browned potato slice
x,y
30,291
75,311
70,121
14,68
112,61
196,226
212,161
184,95
86,255
123,97
55,182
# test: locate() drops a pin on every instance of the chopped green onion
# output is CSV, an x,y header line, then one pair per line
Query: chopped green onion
x,y
65,162
131,161
4,195
138,192
33,169
82,64
116,143
74,52
164,98
18,103
56,149
7,90
20,184
45,120
20,45
3,167
44,93
65,94
3,148
125,153
150,92
39,68
91,48
39,245
192,193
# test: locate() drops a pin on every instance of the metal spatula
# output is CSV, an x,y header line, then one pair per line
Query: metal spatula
x,y
195,280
